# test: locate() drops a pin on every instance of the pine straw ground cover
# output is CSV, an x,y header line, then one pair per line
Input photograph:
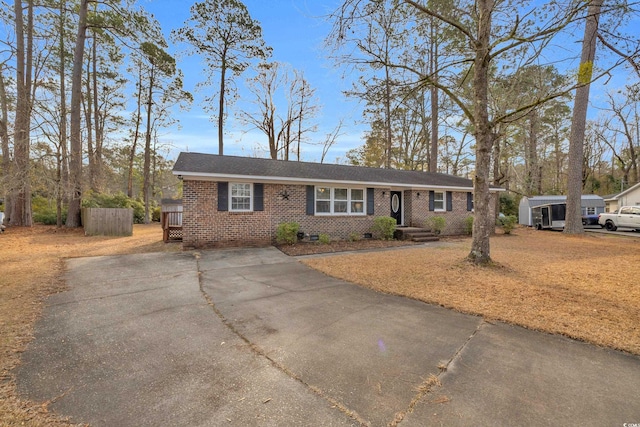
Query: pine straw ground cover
x,y
31,262
585,287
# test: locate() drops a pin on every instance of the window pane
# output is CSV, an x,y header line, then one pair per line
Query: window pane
x,y
243,190
340,194
323,193
323,206
357,207
438,200
357,194
340,206
240,203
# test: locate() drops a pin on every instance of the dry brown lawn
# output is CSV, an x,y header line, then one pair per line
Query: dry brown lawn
x,y
31,262
585,287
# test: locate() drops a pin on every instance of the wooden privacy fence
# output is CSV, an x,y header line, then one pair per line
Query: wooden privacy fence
x,y
107,221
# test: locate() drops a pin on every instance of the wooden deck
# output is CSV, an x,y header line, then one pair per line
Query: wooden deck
x,y
171,220
171,226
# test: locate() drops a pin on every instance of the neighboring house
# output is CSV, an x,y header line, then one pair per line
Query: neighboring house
x,y
629,197
231,201
591,205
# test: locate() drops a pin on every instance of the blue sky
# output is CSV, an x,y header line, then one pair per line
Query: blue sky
x,y
296,30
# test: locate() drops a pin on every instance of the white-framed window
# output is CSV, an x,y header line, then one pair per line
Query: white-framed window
x,y
591,210
339,201
323,200
241,200
357,201
439,200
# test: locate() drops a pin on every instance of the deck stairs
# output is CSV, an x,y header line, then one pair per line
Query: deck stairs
x,y
416,234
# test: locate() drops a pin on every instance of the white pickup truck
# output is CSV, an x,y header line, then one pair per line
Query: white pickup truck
x,y
625,217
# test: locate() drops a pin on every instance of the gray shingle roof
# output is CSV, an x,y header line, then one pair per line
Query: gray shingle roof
x,y
588,200
212,166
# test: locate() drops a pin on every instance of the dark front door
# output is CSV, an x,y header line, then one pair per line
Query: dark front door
x,y
396,206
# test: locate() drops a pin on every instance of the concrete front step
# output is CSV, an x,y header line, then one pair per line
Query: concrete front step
x,y
433,238
415,234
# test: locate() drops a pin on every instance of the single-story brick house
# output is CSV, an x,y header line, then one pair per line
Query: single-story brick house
x,y
233,201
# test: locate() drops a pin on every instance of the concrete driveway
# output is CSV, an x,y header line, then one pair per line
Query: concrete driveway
x,y
253,337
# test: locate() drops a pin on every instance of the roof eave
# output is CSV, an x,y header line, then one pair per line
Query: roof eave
x,y
311,181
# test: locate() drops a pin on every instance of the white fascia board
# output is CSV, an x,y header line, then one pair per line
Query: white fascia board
x,y
308,181
628,190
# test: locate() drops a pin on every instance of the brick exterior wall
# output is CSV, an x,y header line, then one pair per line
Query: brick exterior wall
x,y
417,211
204,226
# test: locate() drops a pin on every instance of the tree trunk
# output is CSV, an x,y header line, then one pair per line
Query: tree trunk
x,y
433,155
87,102
533,169
271,135
573,223
21,196
387,119
63,171
7,165
136,135
480,249
223,72
75,161
96,183
498,175
147,150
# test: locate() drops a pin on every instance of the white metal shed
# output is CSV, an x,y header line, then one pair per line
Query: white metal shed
x,y
591,205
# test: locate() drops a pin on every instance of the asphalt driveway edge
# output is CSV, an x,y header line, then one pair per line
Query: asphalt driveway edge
x,y
261,353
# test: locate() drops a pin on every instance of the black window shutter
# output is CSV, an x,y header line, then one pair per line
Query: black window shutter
x,y
370,201
449,201
223,196
432,201
258,197
311,200
469,201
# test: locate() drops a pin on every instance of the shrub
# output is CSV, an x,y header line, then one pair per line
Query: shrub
x,y
155,215
324,238
508,223
287,233
354,237
384,226
436,223
49,216
44,211
508,205
468,225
